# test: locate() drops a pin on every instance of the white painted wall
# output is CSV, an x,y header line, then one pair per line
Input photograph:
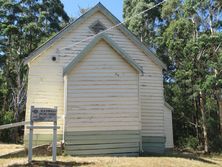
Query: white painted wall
x,y
168,127
102,93
46,82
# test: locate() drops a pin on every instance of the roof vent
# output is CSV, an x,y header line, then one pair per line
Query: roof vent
x,y
97,27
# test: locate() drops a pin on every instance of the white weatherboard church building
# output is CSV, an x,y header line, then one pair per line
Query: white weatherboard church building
x,y
108,87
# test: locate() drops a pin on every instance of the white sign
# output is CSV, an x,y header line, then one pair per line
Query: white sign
x,y
43,114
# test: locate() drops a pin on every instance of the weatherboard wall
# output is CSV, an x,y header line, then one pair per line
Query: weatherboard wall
x,y
102,93
46,82
102,105
168,127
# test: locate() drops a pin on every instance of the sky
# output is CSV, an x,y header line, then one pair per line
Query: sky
x,y
72,6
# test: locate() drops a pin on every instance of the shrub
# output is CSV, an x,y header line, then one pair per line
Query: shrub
x,y
215,144
192,142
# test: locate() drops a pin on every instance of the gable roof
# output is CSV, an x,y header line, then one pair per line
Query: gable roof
x,y
92,44
113,19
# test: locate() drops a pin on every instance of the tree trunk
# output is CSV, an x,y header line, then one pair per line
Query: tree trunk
x,y
204,122
196,118
16,129
4,104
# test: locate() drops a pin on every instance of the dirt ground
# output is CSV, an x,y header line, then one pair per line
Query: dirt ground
x,y
149,161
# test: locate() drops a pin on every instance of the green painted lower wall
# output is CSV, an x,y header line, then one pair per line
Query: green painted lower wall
x,y
40,139
153,145
168,150
102,143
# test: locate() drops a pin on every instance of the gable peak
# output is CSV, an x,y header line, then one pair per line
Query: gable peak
x,y
92,44
99,4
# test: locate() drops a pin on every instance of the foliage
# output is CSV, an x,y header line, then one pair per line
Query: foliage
x,y
7,134
144,26
191,142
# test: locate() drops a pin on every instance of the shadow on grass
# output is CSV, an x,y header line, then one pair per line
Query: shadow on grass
x,y
52,164
188,156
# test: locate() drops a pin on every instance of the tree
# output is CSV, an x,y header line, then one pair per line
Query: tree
x,y
144,26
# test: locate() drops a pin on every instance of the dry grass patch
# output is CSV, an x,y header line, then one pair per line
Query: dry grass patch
x,y
213,161
8,148
176,160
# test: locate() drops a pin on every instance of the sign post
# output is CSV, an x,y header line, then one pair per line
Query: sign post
x,y
43,115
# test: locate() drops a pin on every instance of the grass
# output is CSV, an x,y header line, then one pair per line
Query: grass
x,y
176,160
7,148
151,161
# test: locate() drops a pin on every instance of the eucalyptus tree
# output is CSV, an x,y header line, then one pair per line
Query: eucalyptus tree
x,y
144,25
